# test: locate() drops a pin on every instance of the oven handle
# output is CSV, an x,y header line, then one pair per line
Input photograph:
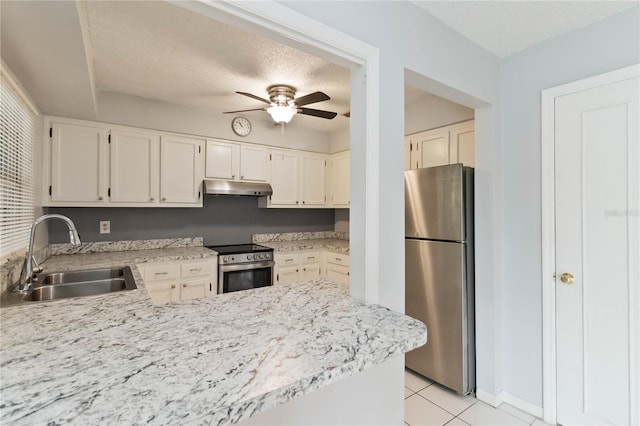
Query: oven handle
x,y
247,266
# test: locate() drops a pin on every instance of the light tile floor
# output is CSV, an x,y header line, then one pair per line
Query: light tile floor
x,y
428,403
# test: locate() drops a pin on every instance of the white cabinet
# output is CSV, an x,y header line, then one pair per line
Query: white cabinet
x,y
310,265
337,267
445,145
286,268
234,161
312,177
283,176
462,144
89,164
181,170
135,173
340,179
431,149
223,160
78,163
175,281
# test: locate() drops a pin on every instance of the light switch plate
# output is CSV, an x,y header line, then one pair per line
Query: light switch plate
x,y
105,226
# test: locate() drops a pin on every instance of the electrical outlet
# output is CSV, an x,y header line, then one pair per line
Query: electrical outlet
x,y
105,226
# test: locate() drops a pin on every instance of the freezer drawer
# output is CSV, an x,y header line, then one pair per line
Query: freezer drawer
x,y
438,295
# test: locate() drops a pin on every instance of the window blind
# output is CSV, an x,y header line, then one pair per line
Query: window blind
x,y
17,125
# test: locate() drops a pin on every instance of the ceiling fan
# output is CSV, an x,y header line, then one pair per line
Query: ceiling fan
x,y
283,104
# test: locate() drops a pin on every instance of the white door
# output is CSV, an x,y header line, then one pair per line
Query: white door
x,y
135,164
181,170
597,256
223,160
253,163
340,181
284,177
313,179
79,163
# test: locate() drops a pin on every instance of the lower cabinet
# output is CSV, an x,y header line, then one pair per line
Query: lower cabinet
x,y
175,281
303,265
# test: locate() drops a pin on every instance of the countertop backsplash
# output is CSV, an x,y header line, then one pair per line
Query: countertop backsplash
x,y
297,236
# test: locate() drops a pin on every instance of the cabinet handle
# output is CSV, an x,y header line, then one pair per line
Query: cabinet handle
x,y
311,257
151,199
233,176
241,176
338,259
195,270
173,286
297,270
348,273
160,273
277,277
303,202
164,199
288,260
297,202
184,285
100,198
304,269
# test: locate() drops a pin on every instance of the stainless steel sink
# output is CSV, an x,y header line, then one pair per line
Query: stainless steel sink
x,y
60,285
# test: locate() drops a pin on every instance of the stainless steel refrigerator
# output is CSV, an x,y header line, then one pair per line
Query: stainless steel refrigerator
x,y
439,272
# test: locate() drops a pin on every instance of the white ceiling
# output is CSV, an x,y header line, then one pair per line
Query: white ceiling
x,y
160,51
505,27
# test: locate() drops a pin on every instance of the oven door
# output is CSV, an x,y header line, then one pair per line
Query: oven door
x,y
244,276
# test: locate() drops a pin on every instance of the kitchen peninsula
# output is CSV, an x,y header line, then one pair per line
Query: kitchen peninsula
x,y
119,359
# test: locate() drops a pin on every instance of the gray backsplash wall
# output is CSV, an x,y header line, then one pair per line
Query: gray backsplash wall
x,y
222,220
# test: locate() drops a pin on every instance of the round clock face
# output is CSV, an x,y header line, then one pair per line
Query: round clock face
x,y
241,126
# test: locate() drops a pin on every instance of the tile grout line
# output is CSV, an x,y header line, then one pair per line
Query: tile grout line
x,y
455,415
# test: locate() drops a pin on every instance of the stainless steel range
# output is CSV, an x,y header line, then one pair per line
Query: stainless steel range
x,y
243,267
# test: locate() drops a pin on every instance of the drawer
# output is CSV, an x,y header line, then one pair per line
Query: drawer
x,y
337,258
196,269
286,259
310,257
161,272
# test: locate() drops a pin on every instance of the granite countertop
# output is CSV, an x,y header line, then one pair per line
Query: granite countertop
x,y
331,244
119,359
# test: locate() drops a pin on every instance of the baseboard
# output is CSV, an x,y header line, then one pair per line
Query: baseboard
x,y
519,403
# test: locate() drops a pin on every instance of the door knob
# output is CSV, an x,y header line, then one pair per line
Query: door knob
x,y
567,278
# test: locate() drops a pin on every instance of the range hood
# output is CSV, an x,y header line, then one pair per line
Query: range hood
x,y
227,187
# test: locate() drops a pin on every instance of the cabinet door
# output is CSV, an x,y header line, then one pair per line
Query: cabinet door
x,y
283,173
313,179
407,153
195,289
340,181
462,145
287,274
79,163
135,163
431,149
223,160
253,163
338,273
310,271
164,292
181,170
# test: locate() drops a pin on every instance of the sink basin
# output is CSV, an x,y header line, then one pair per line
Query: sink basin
x,y
68,277
61,285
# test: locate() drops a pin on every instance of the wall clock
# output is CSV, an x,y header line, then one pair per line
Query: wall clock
x,y
241,126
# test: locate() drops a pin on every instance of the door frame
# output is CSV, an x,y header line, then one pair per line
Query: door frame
x,y
549,349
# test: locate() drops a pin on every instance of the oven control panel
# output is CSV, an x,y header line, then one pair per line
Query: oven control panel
x,y
244,258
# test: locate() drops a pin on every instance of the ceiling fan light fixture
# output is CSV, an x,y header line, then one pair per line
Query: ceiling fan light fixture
x,y
281,113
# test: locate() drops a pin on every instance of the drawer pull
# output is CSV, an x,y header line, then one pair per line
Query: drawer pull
x,y
195,270
184,285
160,273
173,286
311,257
338,259
288,260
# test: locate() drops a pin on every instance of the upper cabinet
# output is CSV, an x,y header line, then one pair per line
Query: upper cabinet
x,y
445,145
235,161
89,164
181,170
283,176
340,179
79,164
312,177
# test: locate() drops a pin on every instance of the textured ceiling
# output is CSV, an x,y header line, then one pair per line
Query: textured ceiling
x,y
504,27
160,51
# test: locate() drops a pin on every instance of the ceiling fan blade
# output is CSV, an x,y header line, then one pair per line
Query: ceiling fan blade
x,y
245,110
311,98
317,113
254,97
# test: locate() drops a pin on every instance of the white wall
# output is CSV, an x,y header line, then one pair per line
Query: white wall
x,y
409,38
130,110
600,47
428,112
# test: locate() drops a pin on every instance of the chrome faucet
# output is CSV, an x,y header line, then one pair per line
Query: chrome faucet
x,y
26,277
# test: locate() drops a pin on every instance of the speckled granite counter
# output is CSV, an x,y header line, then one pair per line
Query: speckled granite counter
x,y
331,244
118,359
